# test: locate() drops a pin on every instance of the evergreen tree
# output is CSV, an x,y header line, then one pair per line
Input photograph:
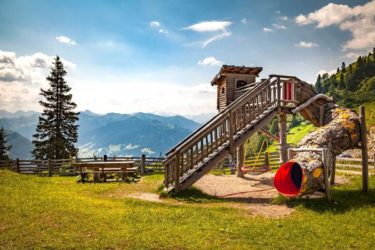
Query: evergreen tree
x,y
343,67
318,84
56,131
341,82
338,70
4,146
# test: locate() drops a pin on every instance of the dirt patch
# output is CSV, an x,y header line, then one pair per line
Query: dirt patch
x,y
253,193
146,196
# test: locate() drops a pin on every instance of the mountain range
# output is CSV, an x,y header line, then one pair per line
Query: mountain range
x,y
111,133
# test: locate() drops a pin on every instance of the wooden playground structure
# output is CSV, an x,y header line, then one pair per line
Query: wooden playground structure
x,y
245,107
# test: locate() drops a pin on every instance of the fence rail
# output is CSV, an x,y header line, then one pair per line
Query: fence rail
x,y
64,166
151,164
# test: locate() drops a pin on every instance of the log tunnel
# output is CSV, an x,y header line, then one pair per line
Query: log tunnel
x,y
339,131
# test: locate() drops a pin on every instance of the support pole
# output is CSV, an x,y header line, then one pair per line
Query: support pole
x,y
143,162
283,138
177,173
362,118
50,170
333,173
240,160
18,165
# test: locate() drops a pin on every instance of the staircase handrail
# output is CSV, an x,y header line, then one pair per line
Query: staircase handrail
x,y
218,118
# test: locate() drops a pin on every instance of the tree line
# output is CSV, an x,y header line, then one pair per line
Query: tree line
x,y
351,85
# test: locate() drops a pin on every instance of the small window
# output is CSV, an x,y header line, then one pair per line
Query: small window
x,y
223,90
240,83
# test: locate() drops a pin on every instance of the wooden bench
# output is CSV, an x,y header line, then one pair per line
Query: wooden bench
x,y
101,169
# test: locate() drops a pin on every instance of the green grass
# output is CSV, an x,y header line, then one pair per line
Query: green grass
x,y
295,135
58,212
370,113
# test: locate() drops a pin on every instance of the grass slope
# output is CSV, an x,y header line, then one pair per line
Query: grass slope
x,y
295,135
57,212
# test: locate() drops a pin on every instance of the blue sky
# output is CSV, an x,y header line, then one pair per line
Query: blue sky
x,y
159,56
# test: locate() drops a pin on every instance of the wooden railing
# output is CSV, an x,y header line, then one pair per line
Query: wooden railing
x,y
221,131
64,166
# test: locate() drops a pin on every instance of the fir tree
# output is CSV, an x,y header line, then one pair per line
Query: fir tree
x,y
318,85
343,67
56,131
341,82
4,146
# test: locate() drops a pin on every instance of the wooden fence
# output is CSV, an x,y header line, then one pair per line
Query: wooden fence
x,y
64,166
155,164
354,164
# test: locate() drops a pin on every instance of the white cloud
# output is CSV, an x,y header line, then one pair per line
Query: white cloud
x,y
330,72
22,77
154,24
209,26
278,26
265,29
216,38
131,146
359,20
211,61
244,20
303,44
147,151
284,18
277,11
352,55
66,40
163,31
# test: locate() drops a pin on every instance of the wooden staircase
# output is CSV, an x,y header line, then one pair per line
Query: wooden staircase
x,y
197,154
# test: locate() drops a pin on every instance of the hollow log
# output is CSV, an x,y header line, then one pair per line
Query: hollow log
x,y
303,174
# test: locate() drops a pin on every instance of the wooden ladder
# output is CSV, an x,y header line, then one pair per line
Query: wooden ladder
x,y
197,154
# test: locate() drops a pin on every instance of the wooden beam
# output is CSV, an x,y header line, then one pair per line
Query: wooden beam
x,y
310,101
283,138
362,117
270,135
240,160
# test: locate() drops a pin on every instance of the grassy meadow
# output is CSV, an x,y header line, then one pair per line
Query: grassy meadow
x,y
58,212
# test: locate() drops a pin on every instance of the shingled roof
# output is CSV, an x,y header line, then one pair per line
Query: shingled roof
x,y
232,69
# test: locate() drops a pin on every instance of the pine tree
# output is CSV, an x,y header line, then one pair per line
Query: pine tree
x,y
341,82
56,131
318,85
343,67
4,146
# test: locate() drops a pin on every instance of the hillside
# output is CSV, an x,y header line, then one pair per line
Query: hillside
x,y
353,84
21,146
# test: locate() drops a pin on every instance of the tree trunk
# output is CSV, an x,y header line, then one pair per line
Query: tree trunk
x,y
303,174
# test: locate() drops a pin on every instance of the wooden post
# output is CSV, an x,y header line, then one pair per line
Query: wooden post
x,y
50,170
267,159
333,173
283,138
321,115
143,161
231,164
362,118
240,160
177,172
18,165
327,185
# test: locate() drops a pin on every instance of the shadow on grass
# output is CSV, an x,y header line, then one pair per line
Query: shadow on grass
x,y
195,195
342,201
